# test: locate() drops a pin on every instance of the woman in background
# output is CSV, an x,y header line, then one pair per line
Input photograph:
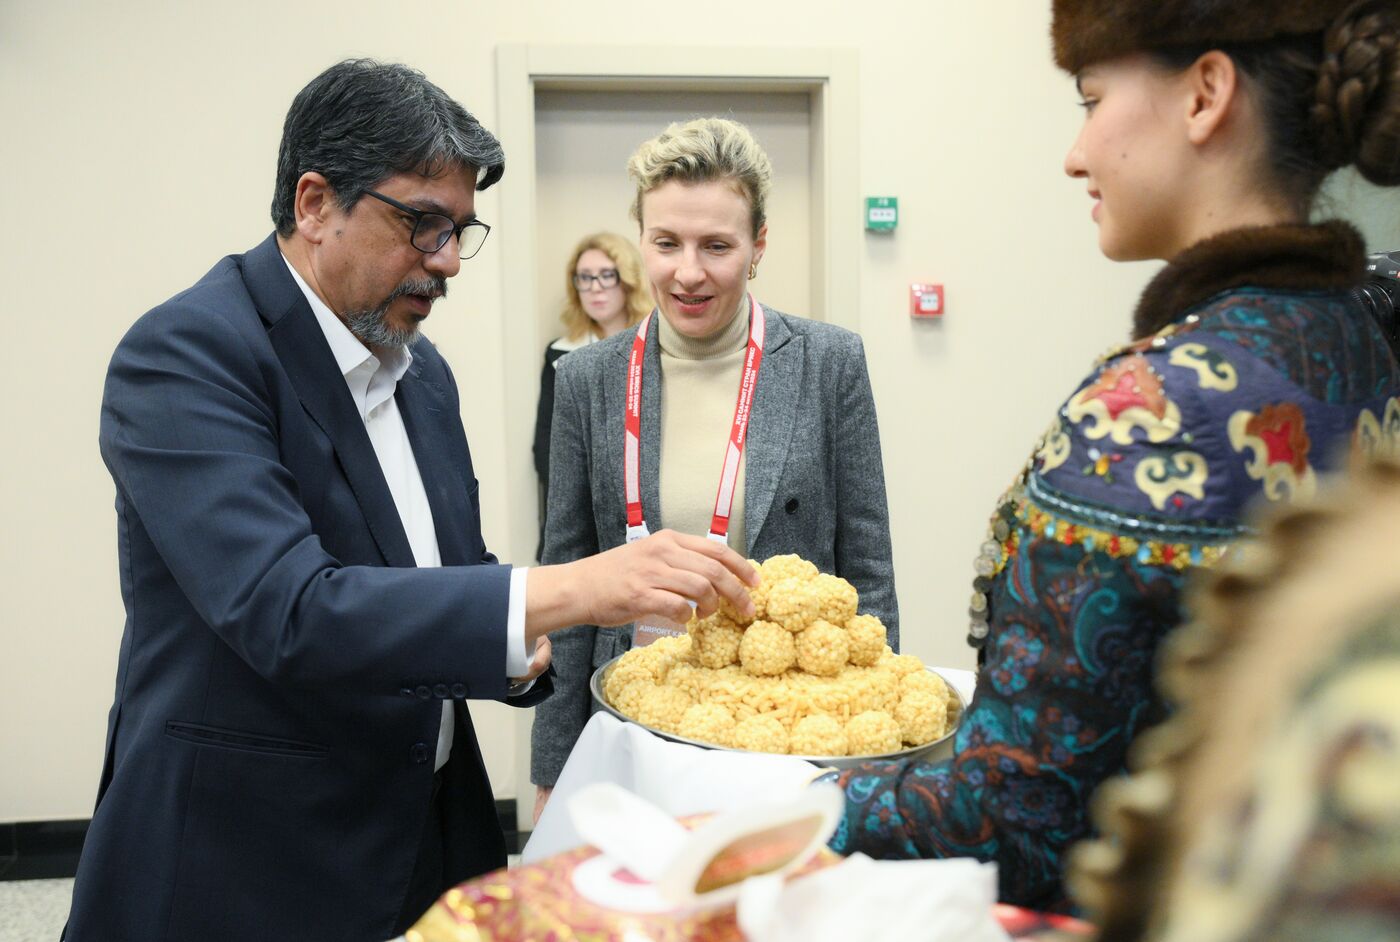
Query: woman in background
x,y
809,478
604,294
1208,131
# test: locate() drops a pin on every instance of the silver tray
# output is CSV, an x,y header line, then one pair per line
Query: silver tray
x,y
938,749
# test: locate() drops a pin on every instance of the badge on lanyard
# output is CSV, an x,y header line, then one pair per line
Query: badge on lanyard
x,y
650,628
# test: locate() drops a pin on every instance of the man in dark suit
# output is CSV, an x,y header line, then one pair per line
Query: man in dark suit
x,y
309,601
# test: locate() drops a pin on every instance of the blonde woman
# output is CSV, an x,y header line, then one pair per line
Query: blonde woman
x,y
604,293
808,479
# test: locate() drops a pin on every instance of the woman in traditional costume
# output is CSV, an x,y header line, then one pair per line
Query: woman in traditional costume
x,y
1208,130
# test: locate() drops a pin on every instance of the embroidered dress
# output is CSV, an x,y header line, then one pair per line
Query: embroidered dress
x,y
1254,372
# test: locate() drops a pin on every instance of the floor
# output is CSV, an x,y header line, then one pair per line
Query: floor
x,y
33,910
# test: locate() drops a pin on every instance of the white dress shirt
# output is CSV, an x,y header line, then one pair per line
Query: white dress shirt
x,y
372,379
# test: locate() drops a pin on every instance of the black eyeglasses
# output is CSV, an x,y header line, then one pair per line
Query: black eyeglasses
x,y
607,278
432,230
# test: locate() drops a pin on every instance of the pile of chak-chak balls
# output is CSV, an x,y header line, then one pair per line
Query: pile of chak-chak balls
x,y
806,675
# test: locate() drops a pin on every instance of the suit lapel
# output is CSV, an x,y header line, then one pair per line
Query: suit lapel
x,y
771,425
422,406
651,433
302,349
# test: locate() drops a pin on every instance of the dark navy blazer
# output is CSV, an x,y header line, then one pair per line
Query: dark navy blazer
x,y
269,750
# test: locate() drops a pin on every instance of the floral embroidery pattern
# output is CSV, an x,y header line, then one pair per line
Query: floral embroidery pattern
x,y
1378,437
1127,395
1213,371
1166,477
1278,439
1054,447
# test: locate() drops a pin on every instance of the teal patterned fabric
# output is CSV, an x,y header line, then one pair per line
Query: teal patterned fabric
x,y
1146,473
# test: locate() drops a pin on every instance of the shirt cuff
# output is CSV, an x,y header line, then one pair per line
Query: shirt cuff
x,y
517,657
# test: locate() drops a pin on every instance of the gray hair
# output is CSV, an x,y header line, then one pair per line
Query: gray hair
x,y
361,121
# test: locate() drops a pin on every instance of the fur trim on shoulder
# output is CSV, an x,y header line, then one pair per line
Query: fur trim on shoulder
x,y
1088,31
1291,257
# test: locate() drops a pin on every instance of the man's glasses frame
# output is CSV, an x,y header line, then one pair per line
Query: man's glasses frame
x,y
431,231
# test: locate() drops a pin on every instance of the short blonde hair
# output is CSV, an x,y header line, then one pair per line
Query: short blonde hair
x,y
628,262
701,151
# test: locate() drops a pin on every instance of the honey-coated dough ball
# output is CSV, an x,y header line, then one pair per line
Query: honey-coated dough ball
x,y
927,682
673,647
788,566
794,604
922,717
662,708
628,669
818,735
627,698
761,734
866,636
708,722
654,660
901,664
689,676
766,649
884,686
822,649
873,733
715,641
838,599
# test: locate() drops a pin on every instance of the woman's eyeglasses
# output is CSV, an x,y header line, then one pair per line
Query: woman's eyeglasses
x,y
607,278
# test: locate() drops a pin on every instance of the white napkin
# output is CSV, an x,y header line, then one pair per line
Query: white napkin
x,y
964,681
876,901
678,779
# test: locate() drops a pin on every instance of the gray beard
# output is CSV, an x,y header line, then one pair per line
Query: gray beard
x,y
370,326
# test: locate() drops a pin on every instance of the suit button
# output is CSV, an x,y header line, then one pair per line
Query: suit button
x,y
419,753
459,691
405,691
423,693
791,505
440,691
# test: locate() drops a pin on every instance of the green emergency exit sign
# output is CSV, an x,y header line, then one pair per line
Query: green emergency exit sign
x,y
881,213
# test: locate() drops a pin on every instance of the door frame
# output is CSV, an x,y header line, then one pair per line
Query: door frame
x,y
828,75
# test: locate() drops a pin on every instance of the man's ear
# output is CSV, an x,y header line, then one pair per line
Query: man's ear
x,y
314,206
1212,83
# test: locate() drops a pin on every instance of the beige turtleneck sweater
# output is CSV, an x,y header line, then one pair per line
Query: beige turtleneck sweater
x,y
701,385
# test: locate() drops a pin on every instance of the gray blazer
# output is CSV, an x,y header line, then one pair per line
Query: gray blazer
x,y
814,485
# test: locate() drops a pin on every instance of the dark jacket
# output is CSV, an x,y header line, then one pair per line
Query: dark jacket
x,y
279,685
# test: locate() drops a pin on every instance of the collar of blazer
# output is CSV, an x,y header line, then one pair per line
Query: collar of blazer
x,y
307,359
771,426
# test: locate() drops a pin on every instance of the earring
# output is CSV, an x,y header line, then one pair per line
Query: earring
x,y
753,270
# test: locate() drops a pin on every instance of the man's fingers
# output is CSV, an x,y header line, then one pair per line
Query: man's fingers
x,y
721,554
723,568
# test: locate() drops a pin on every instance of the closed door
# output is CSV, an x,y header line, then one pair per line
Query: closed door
x,y
583,140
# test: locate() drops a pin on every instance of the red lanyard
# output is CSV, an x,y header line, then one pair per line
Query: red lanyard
x,y
631,459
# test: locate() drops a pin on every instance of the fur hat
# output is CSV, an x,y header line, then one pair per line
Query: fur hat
x,y
1088,31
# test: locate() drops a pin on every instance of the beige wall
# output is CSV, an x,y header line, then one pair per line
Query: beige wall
x,y
138,146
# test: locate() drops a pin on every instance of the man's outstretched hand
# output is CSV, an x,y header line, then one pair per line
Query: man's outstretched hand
x,y
659,575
